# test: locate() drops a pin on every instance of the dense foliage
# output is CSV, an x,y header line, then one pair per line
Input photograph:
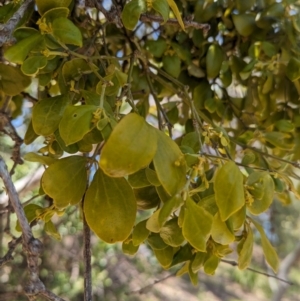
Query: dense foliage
x,y
112,90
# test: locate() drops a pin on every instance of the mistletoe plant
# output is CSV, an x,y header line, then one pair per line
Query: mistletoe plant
x,y
226,73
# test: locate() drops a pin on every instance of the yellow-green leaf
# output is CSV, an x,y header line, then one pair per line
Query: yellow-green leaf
x,y
32,65
245,253
131,13
220,232
33,157
110,207
269,252
12,80
138,143
152,222
129,248
140,233
18,52
47,113
214,60
229,190
76,122
45,5
171,233
176,12
169,207
164,256
211,264
65,31
197,225
261,186
65,181
169,164
51,230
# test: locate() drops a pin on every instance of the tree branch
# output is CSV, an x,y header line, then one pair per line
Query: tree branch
x,y
11,248
6,30
31,246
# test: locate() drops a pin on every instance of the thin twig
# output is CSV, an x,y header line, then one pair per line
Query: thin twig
x,y
187,23
146,288
11,248
87,256
234,264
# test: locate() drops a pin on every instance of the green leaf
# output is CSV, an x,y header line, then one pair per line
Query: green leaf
x,y
75,68
152,222
131,13
280,140
229,190
76,122
211,264
12,80
156,242
138,143
152,177
197,225
269,252
156,48
140,233
164,256
214,60
293,69
54,13
33,157
47,113
285,125
110,207
176,12
245,251
138,179
45,5
51,230
244,24
32,65
18,52
220,232
172,65
171,233
30,134
129,248
66,32
169,164
162,7
198,261
169,207
65,181
261,186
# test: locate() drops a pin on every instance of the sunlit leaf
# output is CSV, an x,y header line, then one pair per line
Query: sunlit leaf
x,y
138,142
65,181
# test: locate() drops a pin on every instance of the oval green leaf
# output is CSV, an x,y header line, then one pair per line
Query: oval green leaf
x,y
76,122
110,207
197,225
138,143
65,181
47,113
229,190
169,164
